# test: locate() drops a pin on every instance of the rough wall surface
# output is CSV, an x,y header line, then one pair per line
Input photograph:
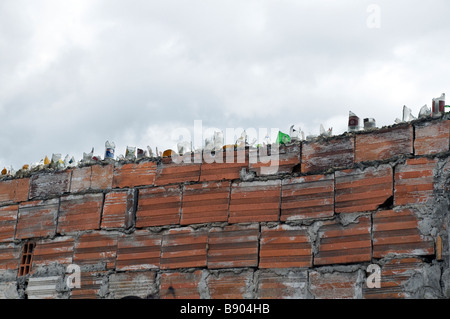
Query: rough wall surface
x,y
312,228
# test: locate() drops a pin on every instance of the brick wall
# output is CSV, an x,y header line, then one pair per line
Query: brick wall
x,y
308,229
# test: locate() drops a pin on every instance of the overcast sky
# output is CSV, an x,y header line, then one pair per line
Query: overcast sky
x,y
74,74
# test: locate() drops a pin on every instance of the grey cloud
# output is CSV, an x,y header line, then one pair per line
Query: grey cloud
x,y
147,65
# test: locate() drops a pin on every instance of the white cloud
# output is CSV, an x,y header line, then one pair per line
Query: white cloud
x,y
76,73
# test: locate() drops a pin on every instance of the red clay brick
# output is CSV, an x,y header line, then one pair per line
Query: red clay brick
x,y
22,189
158,206
37,219
8,220
323,155
384,143
177,173
307,197
230,285
272,161
7,191
396,232
50,184
134,174
9,256
358,191
81,179
233,246
80,212
186,159
183,285
284,247
58,250
344,244
205,203
14,190
102,177
414,181
333,285
139,250
394,275
227,167
96,177
118,209
91,283
183,248
95,249
255,201
432,138
221,171
275,284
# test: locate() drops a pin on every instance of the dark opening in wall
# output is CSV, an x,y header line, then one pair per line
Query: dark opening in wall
x,y
27,258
